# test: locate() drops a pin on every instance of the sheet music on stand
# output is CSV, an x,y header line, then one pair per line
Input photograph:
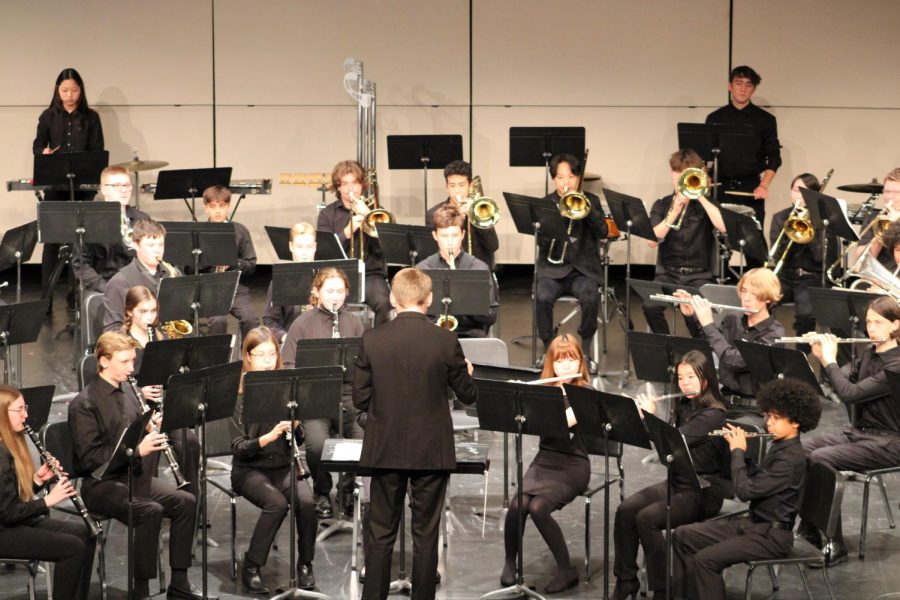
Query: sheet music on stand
x,y
292,282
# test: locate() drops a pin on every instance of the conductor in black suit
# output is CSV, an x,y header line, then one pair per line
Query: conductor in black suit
x,y
405,370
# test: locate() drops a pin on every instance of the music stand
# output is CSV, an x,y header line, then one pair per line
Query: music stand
x,y
292,282
645,289
744,236
17,247
766,363
202,245
287,395
195,399
460,292
660,355
521,409
834,308
69,169
20,323
164,358
674,454
423,152
189,183
614,418
828,215
195,296
38,399
714,139
328,246
406,244
535,146
280,237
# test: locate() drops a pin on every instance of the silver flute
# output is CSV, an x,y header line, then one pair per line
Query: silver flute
x,y
93,526
180,481
749,434
811,339
715,306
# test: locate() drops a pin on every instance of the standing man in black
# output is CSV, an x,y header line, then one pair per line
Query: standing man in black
x,y
579,272
405,370
753,168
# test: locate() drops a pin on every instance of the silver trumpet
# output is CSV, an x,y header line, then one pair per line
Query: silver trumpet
x,y
716,307
749,434
180,481
93,526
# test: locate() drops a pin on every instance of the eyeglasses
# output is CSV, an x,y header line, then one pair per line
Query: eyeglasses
x,y
121,187
24,409
265,355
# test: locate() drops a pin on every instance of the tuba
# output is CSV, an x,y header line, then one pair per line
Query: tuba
x,y
573,206
483,212
870,271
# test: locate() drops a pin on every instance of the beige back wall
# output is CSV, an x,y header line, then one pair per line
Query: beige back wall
x,y
626,71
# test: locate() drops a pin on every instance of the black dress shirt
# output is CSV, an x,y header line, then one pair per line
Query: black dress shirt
x,y
333,219
116,288
733,372
775,487
764,155
469,325
583,253
97,264
484,241
278,317
71,132
245,444
709,454
807,257
13,510
866,390
318,324
692,245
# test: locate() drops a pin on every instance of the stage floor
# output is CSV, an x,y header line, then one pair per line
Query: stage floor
x,y
471,563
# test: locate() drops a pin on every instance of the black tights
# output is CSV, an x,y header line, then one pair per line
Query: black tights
x,y
539,508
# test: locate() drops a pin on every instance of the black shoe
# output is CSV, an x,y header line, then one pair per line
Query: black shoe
x,y
508,576
625,588
563,580
835,553
810,534
323,507
362,575
195,593
306,580
252,580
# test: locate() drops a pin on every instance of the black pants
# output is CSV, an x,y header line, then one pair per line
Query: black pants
x,y
240,310
704,550
270,490
65,543
795,288
388,491
187,451
319,430
656,313
154,499
378,297
642,518
585,291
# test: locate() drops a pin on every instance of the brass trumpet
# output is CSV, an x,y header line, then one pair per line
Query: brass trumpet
x,y
483,212
573,206
692,184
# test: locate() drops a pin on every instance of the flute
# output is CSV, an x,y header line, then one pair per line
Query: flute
x,y
547,380
749,434
715,306
811,339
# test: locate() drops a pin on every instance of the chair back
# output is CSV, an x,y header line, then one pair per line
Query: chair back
x,y
594,445
93,320
87,370
822,495
57,440
490,351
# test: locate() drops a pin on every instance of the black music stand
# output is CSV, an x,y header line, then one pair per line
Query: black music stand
x,y
715,139
521,409
17,247
280,237
287,395
827,216
744,236
766,363
195,399
189,183
406,245
645,289
674,454
423,152
535,146
165,358
834,308
195,296
328,246
660,355
292,282
38,399
20,323
614,418
460,292
200,245
69,169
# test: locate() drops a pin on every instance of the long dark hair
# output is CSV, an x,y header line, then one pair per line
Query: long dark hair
x,y
55,102
703,368
888,308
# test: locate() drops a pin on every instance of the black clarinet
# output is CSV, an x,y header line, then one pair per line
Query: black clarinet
x,y
180,481
335,330
302,471
93,526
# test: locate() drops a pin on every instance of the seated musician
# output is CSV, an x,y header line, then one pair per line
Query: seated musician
x,y
26,528
302,245
891,197
774,489
261,473
449,232
872,441
329,294
759,290
217,203
458,179
97,417
685,255
890,254
97,263
802,268
344,217
147,268
559,472
642,516
579,273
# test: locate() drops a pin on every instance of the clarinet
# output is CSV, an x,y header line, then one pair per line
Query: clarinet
x,y
151,333
302,471
180,481
93,526
335,332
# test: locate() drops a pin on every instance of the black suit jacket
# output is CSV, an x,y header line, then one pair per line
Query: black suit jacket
x,y
583,253
405,370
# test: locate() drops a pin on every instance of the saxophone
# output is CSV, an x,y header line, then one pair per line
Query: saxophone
x,y
174,329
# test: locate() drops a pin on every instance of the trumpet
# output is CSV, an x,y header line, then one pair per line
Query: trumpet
x,y
180,481
716,307
692,184
482,213
749,434
94,528
811,339
573,206
127,233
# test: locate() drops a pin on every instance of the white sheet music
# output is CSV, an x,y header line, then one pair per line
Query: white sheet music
x,y
347,451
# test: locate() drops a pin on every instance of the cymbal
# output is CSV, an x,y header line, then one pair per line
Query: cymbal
x,y
143,165
862,188
592,177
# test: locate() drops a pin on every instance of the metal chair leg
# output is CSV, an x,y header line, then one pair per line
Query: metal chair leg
x,y
159,567
587,537
749,585
864,521
774,577
32,574
233,538
827,582
101,565
887,504
49,581
805,583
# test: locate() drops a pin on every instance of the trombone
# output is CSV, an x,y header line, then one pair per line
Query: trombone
x,y
693,183
482,213
573,206
375,215
798,229
716,307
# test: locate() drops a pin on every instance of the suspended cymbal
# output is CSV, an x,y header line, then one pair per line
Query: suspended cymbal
x,y
592,177
143,165
862,188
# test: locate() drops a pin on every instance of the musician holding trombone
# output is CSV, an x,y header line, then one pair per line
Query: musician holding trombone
x,y
872,441
891,211
642,516
26,531
684,237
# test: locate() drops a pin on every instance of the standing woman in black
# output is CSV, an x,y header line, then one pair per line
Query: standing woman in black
x,y
25,529
642,516
67,125
261,473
